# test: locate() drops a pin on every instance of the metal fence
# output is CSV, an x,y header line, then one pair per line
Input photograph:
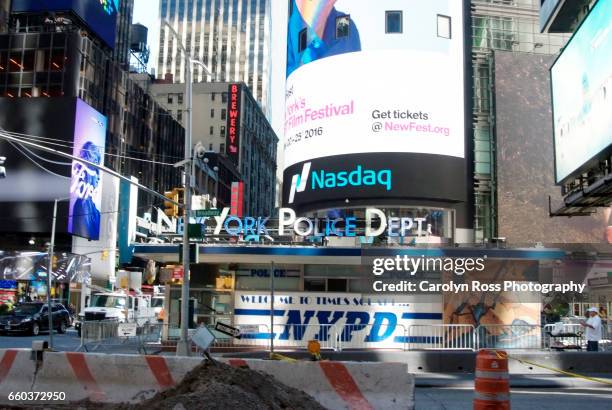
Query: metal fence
x,y
509,336
106,336
368,336
442,336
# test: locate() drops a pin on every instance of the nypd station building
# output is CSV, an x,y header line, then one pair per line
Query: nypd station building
x,y
321,292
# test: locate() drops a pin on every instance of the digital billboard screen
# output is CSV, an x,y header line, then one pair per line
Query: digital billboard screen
x,y
28,191
582,94
99,15
86,181
374,101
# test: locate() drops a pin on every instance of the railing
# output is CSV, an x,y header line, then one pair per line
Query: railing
x,y
105,336
442,336
509,336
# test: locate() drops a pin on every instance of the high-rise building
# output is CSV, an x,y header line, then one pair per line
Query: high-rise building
x,y
121,53
232,37
497,25
252,152
4,15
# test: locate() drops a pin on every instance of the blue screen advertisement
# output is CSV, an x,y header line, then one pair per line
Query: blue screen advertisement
x,y
582,94
86,181
99,15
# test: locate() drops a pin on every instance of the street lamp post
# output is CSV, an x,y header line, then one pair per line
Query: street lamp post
x,y
183,347
216,169
50,271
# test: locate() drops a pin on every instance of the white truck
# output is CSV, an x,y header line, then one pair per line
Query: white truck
x,y
118,306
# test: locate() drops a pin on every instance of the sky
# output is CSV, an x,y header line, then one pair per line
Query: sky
x,y
146,12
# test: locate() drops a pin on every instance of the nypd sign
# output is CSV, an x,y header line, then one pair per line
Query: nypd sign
x,y
355,320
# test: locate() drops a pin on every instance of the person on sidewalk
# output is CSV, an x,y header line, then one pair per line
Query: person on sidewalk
x,y
593,330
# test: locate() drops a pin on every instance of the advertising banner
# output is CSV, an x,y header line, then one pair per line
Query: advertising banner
x,y
582,94
86,183
357,320
364,82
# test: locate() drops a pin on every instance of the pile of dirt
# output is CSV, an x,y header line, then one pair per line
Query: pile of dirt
x,y
212,387
219,386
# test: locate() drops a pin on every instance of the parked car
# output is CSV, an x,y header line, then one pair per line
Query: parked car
x,y
33,318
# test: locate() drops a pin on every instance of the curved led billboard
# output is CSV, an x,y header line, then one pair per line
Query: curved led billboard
x,y
374,101
582,94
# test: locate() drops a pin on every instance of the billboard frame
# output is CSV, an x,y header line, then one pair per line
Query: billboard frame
x,y
595,159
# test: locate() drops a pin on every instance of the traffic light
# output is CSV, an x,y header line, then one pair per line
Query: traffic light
x,y
170,208
180,194
176,195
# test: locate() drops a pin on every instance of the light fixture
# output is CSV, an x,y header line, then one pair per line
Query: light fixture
x,y
32,241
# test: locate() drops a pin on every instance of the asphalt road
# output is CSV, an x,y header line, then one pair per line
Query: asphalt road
x,y
521,399
67,342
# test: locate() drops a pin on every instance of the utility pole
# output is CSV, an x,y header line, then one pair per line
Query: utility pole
x,y
50,274
271,308
183,347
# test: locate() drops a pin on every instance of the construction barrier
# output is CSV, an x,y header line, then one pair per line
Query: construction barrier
x,y
132,378
17,371
492,382
341,385
92,376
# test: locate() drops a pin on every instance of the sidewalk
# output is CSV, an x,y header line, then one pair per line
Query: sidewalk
x,y
466,380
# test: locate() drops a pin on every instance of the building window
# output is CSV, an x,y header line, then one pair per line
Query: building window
x,y
224,97
212,96
314,285
337,285
212,130
302,40
223,113
342,26
212,113
180,98
222,133
210,147
393,22
179,115
170,99
222,148
444,26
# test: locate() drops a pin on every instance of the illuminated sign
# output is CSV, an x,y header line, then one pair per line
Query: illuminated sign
x,y
232,145
359,95
376,223
237,200
99,15
321,179
86,182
